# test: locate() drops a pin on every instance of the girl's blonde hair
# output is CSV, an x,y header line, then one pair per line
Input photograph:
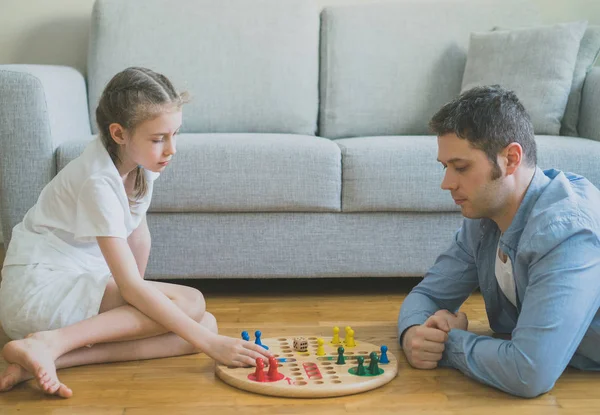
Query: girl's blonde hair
x,y
131,97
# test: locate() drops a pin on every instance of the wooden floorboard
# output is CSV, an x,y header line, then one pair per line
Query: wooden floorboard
x,y
187,385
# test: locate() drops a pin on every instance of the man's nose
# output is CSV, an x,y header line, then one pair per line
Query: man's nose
x,y
448,182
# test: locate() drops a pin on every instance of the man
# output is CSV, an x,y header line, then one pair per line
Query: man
x,y
530,241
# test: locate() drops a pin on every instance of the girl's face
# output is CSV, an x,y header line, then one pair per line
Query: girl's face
x,y
152,143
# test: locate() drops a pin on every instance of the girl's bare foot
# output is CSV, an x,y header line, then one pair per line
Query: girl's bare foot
x,y
13,375
33,354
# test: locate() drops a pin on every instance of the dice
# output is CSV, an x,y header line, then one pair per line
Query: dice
x,y
300,344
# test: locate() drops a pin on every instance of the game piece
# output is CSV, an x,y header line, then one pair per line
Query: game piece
x,y
336,336
273,368
360,370
347,329
306,375
300,344
245,336
320,347
341,360
259,373
384,359
350,339
373,365
257,333
372,355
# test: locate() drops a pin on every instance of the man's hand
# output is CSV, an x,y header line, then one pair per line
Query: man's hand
x,y
455,321
423,345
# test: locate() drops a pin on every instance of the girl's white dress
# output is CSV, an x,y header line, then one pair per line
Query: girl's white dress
x,y
54,273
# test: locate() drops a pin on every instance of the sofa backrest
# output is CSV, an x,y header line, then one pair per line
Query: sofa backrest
x,y
387,68
250,66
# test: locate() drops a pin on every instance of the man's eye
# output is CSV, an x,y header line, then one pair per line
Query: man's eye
x,y
461,169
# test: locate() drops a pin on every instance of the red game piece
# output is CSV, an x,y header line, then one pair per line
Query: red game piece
x,y
273,374
259,374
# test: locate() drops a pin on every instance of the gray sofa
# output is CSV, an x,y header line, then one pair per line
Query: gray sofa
x,y
305,150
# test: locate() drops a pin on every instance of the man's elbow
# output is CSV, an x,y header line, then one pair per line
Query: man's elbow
x,y
534,383
533,391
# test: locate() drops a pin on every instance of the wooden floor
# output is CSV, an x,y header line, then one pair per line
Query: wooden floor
x,y
187,385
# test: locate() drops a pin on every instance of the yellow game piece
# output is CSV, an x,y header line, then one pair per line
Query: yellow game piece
x,y
336,336
320,347
350,339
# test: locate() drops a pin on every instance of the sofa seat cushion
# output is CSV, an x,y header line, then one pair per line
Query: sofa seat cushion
x,y
392,173
401,173
244,173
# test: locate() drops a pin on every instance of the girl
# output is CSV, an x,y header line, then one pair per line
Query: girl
x,y
73,273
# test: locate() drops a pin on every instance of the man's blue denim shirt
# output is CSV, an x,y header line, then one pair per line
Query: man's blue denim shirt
x,y
554,245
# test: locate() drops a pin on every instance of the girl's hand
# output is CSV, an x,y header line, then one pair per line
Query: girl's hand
x,y
235,352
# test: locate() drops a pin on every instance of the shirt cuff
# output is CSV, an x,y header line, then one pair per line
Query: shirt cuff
x,y
454,353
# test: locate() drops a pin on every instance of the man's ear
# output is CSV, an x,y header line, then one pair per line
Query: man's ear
x,y
513,154
117,133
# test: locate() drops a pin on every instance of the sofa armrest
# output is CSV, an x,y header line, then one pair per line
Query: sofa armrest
x,y
40,107
589,113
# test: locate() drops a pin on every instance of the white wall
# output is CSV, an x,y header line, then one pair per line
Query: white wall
x,y
46,32
56,32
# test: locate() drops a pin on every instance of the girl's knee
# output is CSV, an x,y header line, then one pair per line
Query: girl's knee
x,y
210,322
194,304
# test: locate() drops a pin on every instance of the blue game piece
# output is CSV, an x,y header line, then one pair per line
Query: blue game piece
x,y
257,333
384,359
245,336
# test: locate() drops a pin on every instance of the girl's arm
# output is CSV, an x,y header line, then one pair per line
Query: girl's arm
x,y
139,241
157,306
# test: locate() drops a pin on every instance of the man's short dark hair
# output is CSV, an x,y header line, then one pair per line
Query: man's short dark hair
x,y
490,118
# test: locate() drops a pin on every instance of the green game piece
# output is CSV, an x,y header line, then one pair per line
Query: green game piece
x,y
341,360
360,370
372,356
373,366
354,371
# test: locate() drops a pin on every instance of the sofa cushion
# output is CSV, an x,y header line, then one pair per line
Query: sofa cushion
x,y
589,122
587,56
244,173
536,63
392,174
403,174
250,66
574,154
589,49
387,68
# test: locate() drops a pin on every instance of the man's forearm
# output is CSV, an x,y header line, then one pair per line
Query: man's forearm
x,y
499,363
415,310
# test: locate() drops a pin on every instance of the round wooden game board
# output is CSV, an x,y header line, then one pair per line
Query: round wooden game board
x,y
306,375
